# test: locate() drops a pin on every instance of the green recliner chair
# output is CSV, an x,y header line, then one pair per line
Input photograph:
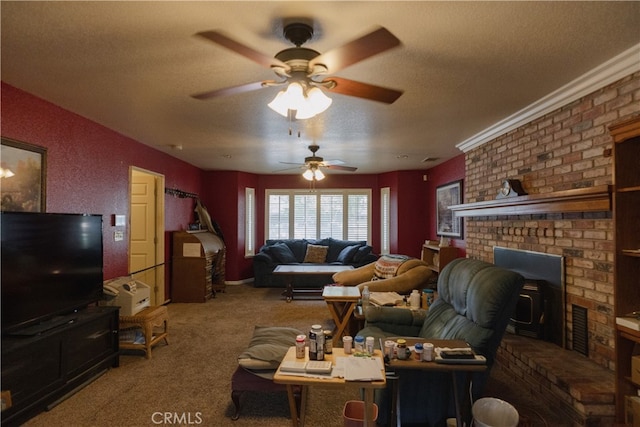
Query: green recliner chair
x,y
474,304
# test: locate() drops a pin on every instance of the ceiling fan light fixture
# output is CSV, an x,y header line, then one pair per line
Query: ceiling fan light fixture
x,y
313,174
308,175
315,103
306,104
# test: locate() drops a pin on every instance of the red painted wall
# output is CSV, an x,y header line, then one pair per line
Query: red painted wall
x,y
408,213
88,168
224,196
444,173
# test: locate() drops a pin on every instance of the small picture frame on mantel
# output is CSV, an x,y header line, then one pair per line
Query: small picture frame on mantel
x,y
447,223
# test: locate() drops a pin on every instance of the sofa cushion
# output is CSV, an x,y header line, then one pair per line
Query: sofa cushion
x,y
346,255
297,246
336,246
361,254
316,254
268,347
282,253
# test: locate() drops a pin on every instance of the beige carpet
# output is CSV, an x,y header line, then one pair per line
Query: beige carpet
x,y
190,379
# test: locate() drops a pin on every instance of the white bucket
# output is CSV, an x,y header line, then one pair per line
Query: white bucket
x,y
492,412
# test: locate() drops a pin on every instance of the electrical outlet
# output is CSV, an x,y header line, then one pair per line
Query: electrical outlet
x,y
118,236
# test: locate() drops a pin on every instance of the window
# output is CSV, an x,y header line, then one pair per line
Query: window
x,y
298,214
385,227
250,222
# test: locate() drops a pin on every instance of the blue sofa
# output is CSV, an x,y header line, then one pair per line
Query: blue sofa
x,y
293,251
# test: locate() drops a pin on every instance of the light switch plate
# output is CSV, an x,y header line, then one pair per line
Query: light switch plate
x,y
120,220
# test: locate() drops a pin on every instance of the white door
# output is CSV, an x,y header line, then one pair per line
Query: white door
x,y
146,236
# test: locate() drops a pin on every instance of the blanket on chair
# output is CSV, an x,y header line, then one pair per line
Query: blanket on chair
x,y
387,266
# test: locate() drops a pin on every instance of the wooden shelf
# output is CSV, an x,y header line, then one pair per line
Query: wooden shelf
x,y
591,199
626,199
438,256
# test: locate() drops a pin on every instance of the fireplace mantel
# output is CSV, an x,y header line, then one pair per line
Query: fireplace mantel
x,y
591,199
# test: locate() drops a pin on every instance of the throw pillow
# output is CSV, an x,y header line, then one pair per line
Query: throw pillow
x,y
346,255
282,253
316,254
268,347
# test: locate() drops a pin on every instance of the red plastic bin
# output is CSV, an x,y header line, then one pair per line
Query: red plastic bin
x,y
353,413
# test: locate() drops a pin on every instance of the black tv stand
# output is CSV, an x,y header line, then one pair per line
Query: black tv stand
x,y
45,326
43,367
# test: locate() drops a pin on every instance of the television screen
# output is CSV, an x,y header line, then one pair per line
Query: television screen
x,y
51,265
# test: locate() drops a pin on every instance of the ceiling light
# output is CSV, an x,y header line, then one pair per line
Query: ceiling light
x,y
313,174
304,103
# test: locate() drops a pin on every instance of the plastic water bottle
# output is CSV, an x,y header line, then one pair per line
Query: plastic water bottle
x,y
414,299
366,295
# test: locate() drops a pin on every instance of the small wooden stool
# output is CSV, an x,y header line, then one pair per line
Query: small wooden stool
x,y
147,319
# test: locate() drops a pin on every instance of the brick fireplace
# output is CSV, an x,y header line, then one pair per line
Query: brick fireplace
x,y
565,150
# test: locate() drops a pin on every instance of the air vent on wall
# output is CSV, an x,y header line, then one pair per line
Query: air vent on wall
x,y
580,331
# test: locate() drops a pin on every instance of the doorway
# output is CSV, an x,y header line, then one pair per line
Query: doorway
x,y
146,235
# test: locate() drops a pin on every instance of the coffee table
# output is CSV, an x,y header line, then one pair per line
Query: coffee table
x,y
297,419
292,270
341,301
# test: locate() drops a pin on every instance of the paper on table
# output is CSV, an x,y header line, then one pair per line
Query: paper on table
x,y
363,369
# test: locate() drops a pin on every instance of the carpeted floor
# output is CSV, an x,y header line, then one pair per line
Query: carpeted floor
x,y
188,381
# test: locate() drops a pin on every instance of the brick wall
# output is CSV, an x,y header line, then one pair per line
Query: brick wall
x,y
562,150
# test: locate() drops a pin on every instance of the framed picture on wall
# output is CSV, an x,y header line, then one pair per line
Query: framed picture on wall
x,y
23,172
447,224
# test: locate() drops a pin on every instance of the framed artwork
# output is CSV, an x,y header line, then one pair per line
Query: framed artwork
x,y
447,224
23,173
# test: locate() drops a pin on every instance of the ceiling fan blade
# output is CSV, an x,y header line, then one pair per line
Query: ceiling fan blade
x,y
332,162
290,163
288,169
341,168
250,53
356,50
232,90
363,90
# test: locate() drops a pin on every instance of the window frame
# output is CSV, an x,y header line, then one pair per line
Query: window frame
x,y
291,193
250,222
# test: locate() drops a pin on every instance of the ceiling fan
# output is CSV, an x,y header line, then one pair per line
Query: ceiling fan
x,y
313,163
309,67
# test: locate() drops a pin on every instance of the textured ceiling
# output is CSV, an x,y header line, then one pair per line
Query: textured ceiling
x,y
463,66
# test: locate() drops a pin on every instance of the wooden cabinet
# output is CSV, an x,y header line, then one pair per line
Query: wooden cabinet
x,y
626,207
198,269
42,369
436,256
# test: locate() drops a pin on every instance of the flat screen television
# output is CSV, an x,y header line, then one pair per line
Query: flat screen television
x,y
51,267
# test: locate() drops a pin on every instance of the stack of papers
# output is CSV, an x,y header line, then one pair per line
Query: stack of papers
x,y
363,369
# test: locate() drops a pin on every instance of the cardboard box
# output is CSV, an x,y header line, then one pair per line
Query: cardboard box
x,y
632,411
635,369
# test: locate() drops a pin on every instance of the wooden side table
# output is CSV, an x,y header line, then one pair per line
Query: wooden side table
x,y
341,301
148,319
